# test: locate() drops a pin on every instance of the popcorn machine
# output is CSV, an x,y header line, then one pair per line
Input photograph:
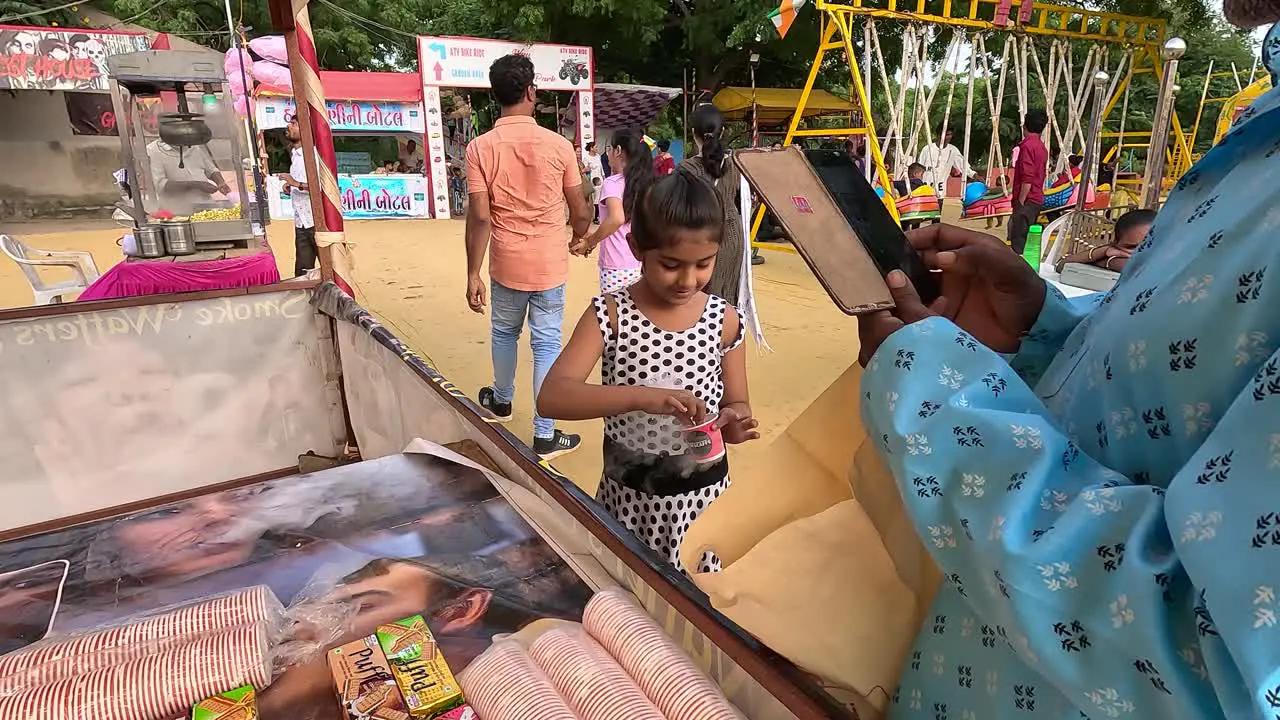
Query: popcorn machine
x,y
184,151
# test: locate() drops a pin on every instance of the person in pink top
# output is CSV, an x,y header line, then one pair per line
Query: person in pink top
x,y
520,176
619,267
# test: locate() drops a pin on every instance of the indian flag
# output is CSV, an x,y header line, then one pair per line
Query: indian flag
x,y
785,15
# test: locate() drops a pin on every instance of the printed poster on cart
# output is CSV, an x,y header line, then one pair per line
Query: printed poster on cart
x,y
363,197
406,534
348,116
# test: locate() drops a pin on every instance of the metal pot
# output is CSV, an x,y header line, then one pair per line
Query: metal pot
x,y
150,240
180,238
184,130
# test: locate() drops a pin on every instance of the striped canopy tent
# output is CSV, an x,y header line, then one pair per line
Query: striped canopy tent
x,y
619,105
775,106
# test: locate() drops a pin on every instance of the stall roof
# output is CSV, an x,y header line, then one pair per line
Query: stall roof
x,y
363,86
775,106
618,105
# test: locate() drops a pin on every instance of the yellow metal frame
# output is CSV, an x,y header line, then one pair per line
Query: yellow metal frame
x,y
833,24
1147,35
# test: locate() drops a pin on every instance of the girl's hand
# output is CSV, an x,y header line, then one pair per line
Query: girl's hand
x,y
736,424
682,404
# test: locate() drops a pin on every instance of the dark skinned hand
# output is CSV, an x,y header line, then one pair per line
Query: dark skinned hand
x,y
986,289
874,328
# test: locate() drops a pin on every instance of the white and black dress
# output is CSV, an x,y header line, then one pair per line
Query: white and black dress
x,y
650,483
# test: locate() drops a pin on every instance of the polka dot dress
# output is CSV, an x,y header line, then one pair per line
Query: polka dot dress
x,y
640,353
614,279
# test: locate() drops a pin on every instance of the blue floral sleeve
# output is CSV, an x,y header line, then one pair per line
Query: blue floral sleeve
x,y
1063,554
1058,319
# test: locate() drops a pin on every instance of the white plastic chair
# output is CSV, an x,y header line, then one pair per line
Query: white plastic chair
x,y
31,259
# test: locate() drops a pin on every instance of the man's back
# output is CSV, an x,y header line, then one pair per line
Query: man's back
x,y
525,170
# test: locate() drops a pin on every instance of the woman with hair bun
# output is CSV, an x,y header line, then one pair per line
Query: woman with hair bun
x,y
712,163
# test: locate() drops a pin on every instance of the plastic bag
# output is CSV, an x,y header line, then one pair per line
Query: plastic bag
x,y
271,47
276,76
504,683
584,673
668,677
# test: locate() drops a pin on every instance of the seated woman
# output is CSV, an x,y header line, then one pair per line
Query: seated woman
x,y
1130,230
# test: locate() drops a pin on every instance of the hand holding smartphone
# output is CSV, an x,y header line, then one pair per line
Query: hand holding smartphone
x,y
839,225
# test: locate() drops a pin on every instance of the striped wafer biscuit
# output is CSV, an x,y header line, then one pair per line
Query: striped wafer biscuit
x,y
667,676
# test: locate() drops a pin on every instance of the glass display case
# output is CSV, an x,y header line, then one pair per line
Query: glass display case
x,y
183,147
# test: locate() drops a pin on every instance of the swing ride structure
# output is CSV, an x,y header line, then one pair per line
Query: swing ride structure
x,y
1034,39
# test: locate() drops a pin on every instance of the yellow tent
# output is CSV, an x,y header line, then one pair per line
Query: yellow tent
x,y
775,106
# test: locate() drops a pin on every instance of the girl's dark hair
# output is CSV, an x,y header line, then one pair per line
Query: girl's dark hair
x,y
638,173
708,126
680,201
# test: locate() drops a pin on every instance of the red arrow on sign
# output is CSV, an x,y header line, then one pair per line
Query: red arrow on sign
x,y
439,72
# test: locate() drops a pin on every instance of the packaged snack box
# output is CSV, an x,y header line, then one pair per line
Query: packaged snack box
x,y
419,668
365,685
238,704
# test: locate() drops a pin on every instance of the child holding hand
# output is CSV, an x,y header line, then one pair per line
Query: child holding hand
x,y
672,356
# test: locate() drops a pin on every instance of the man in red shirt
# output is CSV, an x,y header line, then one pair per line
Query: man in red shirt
x,y
1028,179
664,163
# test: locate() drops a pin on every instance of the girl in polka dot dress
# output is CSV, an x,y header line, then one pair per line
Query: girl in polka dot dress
x,y
671,356
619,267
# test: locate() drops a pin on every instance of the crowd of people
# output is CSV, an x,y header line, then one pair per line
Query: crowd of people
x,y
1079,469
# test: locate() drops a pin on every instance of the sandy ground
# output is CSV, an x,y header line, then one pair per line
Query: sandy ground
x,y
413,274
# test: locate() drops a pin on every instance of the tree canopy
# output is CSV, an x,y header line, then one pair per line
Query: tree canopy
x,y
663,42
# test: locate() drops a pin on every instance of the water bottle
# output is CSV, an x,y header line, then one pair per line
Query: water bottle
x,y
1031,252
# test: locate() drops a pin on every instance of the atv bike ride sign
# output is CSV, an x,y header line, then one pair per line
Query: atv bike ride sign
x,y
464,62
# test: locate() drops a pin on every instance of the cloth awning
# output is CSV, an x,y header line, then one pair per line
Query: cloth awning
x,y
363,86
618,105
775,106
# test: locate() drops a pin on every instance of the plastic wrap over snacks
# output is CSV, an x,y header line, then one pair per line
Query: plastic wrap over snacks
x,y
503,683
586,675
161,686
668,677
59,658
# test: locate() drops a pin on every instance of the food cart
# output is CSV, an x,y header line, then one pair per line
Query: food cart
x,y
196,224
279,443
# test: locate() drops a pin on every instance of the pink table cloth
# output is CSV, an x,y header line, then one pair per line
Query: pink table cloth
x,y
130,279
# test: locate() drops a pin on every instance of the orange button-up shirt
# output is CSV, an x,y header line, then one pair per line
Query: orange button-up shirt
x,y
525,169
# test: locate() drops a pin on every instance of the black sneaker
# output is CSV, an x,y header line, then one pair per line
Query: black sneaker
x,y
489,401
556,445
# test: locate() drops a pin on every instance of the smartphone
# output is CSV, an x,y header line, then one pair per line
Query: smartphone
x,y
871,221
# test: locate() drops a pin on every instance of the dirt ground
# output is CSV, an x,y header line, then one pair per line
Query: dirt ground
x,y
413,274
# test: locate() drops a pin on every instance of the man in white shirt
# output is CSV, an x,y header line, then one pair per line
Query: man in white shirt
x,y
304,224
184,176
939,159
410,157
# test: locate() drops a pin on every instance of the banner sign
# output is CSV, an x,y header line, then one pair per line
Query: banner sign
x,y
35,58
346,115
93,114
464,62
364,197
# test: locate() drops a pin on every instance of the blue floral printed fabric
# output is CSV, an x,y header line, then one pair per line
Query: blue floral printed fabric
x,y
1105,506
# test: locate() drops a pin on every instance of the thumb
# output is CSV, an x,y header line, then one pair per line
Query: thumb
x,y
727,415
909,308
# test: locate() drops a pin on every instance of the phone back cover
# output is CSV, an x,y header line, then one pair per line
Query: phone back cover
x,y
817,227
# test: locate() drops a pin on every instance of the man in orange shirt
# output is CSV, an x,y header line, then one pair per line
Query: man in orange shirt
x,y
519,178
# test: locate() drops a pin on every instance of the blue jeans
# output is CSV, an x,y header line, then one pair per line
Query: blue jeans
x,y
545,309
